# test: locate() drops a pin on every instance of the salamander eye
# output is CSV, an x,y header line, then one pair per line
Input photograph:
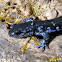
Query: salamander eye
x,y
17,32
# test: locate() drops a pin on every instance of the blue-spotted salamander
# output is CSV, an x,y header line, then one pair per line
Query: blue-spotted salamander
x,y
36,28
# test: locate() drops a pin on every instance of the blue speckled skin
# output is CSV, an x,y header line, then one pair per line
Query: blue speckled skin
x,y
36,28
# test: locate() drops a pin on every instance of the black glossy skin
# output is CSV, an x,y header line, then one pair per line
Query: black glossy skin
x,y
21,30
36,28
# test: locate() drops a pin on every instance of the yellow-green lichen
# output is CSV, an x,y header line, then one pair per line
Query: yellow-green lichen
x,y
25,8
54,59
25,46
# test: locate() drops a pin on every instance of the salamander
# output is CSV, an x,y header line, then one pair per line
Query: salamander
x,y
36,28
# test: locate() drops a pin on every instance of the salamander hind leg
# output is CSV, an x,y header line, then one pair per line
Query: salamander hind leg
x,y
44,42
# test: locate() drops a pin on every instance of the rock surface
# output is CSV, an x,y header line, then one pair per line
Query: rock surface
x,y
10,48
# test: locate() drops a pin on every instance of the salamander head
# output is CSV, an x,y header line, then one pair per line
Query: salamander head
x,y
21,30
14,31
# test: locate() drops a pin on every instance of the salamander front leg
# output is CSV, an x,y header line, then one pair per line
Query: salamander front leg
x,y
44,42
